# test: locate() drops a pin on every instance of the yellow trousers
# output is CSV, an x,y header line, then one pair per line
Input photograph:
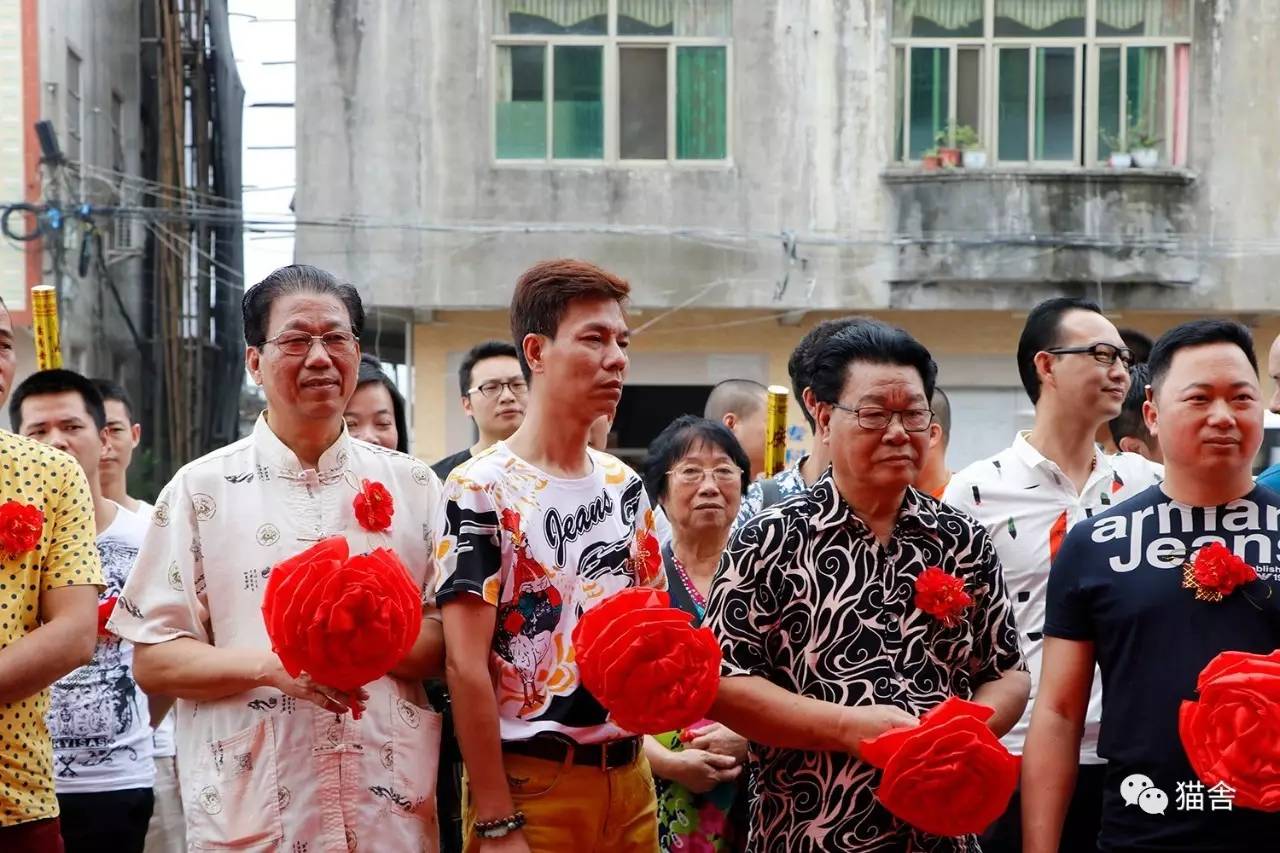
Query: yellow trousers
x,y
572,807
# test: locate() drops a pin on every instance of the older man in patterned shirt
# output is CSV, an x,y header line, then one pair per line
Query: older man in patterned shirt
x,y
815,609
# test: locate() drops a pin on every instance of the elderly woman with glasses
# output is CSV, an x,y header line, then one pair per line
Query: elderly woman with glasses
x,y
697,472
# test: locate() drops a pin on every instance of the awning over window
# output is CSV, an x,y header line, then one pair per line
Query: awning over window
x,y
1041,14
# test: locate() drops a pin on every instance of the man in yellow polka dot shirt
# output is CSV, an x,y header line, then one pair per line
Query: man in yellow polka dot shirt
x,y
48,618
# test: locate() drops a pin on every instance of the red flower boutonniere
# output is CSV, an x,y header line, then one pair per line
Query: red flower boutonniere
x,y
942,596
20,527
1214,572
646,557
104,614
373,506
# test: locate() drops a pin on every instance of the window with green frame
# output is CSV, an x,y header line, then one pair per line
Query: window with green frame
x,y
1043,81
668,98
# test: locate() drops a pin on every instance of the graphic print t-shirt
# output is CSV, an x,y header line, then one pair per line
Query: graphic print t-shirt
x,y
1117,582
98,717
542,550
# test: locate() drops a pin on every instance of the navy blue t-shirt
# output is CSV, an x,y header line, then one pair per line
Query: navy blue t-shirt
x,y
1117,582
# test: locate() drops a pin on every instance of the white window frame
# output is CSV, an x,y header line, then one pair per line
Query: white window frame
x,y
1170,87
993,92
1086,91
612,43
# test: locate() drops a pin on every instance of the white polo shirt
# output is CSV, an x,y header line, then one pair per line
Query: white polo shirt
x,y
1027,506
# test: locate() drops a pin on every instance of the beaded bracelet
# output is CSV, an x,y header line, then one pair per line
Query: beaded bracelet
x,y
500,827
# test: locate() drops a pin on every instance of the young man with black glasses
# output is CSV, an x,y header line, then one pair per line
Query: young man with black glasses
x,y
494,395
1075,368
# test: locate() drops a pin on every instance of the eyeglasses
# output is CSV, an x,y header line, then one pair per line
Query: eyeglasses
x,y
692,474
1102,353
297,344
494,387
874,418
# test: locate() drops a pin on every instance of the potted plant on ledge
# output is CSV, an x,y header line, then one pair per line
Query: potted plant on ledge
x,y
1120,158
1144,148
973,154
930,160
948,152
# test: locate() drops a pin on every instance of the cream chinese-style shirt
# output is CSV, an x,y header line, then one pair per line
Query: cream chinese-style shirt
x,y
260,770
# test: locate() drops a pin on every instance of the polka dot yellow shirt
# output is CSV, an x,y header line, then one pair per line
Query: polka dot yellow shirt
x,y
35,474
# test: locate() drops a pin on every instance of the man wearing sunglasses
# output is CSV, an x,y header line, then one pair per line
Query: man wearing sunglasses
x,y
1075,368
494,396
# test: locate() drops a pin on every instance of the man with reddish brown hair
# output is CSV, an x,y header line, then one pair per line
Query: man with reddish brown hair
x,y
535,530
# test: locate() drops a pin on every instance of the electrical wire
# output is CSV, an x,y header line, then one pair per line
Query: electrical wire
x,y
175,246
226,211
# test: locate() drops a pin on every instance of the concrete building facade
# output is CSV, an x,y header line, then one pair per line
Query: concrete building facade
x,y
76,65
755,167
91,89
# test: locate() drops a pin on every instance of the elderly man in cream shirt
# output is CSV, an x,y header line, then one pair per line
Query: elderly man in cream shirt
x,y
269,762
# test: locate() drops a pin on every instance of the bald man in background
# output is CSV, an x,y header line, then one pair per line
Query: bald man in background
x,y
934,473
739,404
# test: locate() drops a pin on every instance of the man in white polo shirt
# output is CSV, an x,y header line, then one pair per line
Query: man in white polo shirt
x,y
1075,367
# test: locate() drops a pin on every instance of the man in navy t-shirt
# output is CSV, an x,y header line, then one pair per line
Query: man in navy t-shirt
x,y
1116,595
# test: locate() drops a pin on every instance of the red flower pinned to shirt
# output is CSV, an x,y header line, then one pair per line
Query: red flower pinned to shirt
x,y
1229,733
1214,572
948,776
104,613
645,663
942,596
20,527
374,506
646,557
345,621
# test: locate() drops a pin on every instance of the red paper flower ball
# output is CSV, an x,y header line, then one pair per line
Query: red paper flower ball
x,y
345,621
645,662
20,527
948,776
1230,734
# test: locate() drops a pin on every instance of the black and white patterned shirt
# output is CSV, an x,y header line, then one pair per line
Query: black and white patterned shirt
x,y
806,598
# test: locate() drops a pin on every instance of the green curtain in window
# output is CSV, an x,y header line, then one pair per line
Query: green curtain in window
x,y
701,103
930,85
1146,95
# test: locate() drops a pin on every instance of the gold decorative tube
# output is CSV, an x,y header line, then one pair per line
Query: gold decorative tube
x,y
44,320
775,430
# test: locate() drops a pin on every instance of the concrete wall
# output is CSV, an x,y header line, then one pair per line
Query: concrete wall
x,y
1236,149
394,116
394,123
105,34
13,268
1207,237
974,351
